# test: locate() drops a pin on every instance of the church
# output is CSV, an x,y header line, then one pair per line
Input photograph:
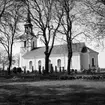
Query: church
x,y
32,56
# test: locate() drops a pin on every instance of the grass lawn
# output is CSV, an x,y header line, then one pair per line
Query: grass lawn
x,y
68,92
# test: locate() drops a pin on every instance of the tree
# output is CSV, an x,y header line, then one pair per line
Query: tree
x,y
94,20
67,26
3,6
3,59
68,5
9,28
43,14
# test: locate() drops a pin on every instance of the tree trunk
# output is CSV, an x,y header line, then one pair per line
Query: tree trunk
x,y
69,56
69,62
46,63
9,66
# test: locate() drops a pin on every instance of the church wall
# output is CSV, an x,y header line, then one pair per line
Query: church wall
x,y
75,63
42,63
24,63
54,61
75,60
85,61
28,67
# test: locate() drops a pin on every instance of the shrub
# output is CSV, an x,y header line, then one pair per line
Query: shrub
x,y
71,77
75,71
28,71
14,70
63,77
67,77
19,70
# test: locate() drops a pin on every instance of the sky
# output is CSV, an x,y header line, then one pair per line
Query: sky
x,y
101,58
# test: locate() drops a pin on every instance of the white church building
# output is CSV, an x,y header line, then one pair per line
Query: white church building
x,y
32,56
58,57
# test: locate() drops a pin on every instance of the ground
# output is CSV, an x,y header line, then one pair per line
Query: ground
x,y
64,92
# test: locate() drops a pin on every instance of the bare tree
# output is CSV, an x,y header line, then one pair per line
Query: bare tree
x,y
93,18
66,27
3,59
43,14
3,6
73,18
9,29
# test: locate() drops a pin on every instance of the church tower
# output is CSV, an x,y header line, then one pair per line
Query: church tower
x,y
28,33
29,41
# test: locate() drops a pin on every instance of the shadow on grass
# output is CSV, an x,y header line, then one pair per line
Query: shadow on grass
x,y
60,95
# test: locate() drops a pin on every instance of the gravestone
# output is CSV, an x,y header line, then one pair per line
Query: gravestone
x,y
39,69
56,69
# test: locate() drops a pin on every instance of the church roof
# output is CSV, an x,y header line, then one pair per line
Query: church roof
x,y
57,50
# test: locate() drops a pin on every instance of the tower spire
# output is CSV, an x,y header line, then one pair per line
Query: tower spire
x,y
28,25
28,20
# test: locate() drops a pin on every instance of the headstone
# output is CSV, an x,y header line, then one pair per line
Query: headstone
x,y
51,68
39,69
63,69
32,69
25,69
56,69
43,69
59,69
28,71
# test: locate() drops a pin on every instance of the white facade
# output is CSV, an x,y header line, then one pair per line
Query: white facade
x,y
54,58
79,61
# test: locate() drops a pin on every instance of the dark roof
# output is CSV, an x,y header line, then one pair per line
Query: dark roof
x,y
57,49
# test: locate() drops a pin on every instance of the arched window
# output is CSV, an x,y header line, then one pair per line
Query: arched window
x,y
39,63
30,65
59,62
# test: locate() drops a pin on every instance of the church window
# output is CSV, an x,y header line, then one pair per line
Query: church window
x,y
30,65
24,43
93,62
59,62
